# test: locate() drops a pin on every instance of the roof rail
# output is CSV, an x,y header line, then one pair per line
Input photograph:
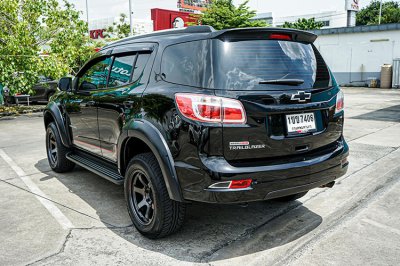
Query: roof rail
x,y
190,29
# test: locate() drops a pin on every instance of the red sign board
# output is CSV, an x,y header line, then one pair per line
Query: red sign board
x,y
95,34
168,19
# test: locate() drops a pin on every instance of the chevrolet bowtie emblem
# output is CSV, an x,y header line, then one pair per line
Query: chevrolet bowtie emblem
x,y
301,96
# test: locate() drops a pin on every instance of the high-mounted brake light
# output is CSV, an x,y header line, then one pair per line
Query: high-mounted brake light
x,y
210,109
276,36
339,101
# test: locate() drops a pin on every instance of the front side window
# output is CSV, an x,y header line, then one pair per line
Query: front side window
x,y
96,76
121,70
188,64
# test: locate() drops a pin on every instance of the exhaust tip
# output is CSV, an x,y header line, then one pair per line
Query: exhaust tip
x,y
328,185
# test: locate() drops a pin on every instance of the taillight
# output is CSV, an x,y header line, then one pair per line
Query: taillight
x,y
210,109
339,101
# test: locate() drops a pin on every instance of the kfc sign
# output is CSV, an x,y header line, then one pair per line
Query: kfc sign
x,y
178,23
353,5
168,19
96,34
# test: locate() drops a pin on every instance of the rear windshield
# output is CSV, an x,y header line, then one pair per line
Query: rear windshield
x,y
242,65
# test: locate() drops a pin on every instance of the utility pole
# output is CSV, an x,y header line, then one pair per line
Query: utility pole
x,y
130,17
380,13
87,16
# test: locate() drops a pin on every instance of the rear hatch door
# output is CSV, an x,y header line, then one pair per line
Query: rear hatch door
x,y
285,87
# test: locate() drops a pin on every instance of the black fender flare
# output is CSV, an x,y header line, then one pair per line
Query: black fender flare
x,y
53,110
152,137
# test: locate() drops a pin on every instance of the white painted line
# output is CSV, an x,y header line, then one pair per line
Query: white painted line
x,y
39,194
382,226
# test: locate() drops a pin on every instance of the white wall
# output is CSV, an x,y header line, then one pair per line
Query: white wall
x,y
355,57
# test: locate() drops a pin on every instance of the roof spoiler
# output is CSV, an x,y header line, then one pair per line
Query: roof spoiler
x,y
296,35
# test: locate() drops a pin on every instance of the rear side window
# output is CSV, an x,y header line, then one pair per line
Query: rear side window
x,y
243,64
141,63
188,64
121,70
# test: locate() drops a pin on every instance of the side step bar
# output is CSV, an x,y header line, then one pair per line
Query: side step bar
x,y
103,169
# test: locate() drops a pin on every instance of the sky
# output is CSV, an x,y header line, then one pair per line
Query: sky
x,y
141,8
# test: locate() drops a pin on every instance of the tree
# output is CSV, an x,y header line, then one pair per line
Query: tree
x,y
119,30
223,14
369,15
40,37
304,24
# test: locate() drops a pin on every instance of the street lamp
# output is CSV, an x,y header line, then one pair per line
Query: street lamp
x,y
380,13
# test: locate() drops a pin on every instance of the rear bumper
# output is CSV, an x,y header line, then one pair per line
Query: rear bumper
x,y
270,181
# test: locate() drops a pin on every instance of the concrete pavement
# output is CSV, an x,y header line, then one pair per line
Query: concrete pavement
x,y
356,222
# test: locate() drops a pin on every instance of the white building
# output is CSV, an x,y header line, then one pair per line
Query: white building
x,y
330,19
342,17
140,26
266,17
356,54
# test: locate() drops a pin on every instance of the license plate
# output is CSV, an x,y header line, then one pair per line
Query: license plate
x,y
300,123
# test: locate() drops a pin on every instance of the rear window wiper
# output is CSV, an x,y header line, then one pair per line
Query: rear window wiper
x,y
289,82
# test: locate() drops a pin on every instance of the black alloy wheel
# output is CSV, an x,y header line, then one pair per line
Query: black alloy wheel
x,y
152,211
52,148
56,151
142,198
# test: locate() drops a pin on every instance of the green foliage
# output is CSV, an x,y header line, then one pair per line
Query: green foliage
x,y
119,30
304,24
223,14
40,37
369,15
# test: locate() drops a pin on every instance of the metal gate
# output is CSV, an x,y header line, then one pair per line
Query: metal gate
x,y
396,73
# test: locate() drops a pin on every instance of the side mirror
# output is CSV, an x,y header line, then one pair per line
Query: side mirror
x,y
65,84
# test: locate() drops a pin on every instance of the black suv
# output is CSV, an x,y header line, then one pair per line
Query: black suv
x,y
195,114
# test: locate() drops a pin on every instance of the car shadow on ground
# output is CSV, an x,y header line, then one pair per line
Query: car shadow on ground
x,y
208,227
389,114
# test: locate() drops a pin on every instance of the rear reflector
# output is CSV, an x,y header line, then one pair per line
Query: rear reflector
x,y
276,36
210,109
236,184
232,185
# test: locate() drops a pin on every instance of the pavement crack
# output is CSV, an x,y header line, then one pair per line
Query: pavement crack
x,y
60,204
338,219
372,132
248,232
61,250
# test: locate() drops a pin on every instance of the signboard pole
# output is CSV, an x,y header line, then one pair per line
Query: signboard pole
x,y
130,17
87,15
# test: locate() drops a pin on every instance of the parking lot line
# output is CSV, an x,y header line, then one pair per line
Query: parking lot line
x,y
39,194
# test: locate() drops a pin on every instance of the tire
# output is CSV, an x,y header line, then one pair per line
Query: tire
x,y
56,151
152,212
292,197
